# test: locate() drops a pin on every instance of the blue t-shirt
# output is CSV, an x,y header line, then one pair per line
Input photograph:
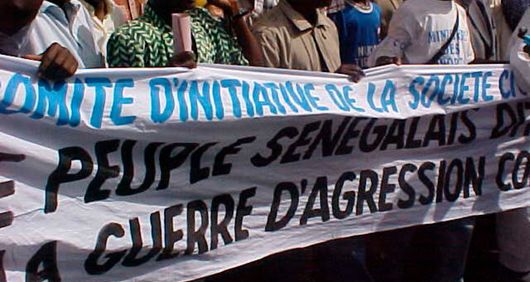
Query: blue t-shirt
x,y
358,33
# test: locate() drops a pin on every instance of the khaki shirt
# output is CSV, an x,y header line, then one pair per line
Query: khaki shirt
x,y
289,41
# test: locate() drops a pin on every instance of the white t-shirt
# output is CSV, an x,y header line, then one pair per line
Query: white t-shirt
x,y
419,29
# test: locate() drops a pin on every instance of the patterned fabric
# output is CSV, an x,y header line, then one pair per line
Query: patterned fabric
x,y
148,42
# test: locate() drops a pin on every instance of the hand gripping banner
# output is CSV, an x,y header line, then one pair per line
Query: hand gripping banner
x,y
174,174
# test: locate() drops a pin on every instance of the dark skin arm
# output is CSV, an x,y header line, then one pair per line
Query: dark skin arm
x,y
184,59
353,71
245,38
57,63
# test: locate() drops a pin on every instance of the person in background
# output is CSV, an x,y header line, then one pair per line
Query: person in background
x,y
106,17
214,10
388,7
358,25
148,40
482,30
132,9
296,34
423,32
426,32
506,15
65,22
56,33
513,227
335,6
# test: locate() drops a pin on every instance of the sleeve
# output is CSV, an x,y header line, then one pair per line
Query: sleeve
x,y
227,49
123,51
236,56
401,29
269,48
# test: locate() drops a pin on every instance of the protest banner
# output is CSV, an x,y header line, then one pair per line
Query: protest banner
x,y
175,174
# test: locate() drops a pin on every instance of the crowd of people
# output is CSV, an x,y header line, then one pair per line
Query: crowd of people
x,y
317,35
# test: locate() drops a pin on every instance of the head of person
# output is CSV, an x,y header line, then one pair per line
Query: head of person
x,y
169,7
16,14
310,4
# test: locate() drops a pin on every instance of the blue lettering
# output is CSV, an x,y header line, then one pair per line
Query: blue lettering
x,y
273,88
219,109
183,106
463,88
204,100
231,85
486,86
415,94
10,93
308,88
119,101
246,98
336,97
77,99
261,92
99,83
53,99
155,85
448,79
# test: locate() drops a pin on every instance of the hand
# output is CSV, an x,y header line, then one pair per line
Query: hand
x,y
57,63
381,61
230,7
184,59
354,71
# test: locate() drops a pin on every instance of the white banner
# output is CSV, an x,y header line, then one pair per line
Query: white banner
x,y
173,174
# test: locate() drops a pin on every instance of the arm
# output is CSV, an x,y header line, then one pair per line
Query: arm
x,y
398,38
245,38
57,63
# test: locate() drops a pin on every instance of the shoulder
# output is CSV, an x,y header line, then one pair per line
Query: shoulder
x,y
135,29
270,22
376,7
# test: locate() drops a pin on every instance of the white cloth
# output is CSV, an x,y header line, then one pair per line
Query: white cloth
x,y
103,29
513,227
72,28
419,29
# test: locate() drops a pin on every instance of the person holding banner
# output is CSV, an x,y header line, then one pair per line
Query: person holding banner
x,y
296,34
66,22
16,24
148,40
513,227
426,32
423,32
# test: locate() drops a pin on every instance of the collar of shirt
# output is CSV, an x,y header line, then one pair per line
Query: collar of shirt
x,y
66,16
300,21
